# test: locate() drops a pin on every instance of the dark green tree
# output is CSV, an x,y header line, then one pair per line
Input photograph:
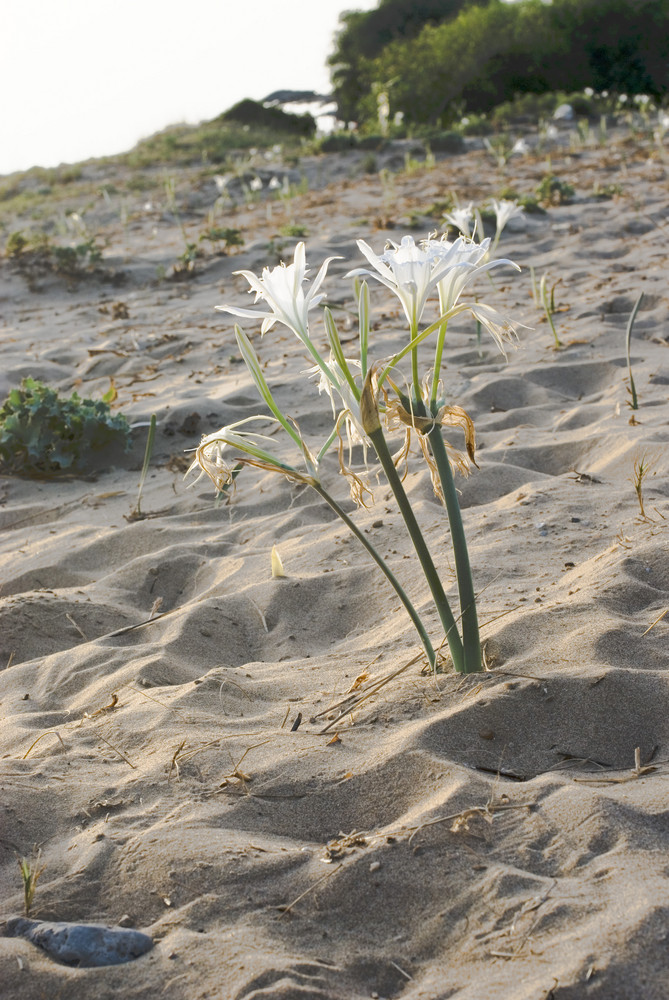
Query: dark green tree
x,y
490,52
364,35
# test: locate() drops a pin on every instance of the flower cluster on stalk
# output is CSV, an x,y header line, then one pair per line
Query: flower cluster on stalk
x,y
416,273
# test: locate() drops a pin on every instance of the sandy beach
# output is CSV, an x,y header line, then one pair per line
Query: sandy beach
x,y
499,835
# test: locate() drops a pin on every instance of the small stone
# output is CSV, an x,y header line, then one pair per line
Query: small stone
x,y
83,945
375,865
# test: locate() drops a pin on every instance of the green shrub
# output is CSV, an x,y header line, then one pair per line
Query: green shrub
x,y
491,51
254,114
553,191
439,140
338,142
42,433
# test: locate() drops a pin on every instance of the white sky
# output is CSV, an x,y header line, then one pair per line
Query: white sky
x,y
83,78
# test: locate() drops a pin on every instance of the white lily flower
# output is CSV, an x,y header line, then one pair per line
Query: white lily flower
x,y
520,147
504,211
281,288
501,329
255,184
209,460
221,181
409,271
462,218
464,259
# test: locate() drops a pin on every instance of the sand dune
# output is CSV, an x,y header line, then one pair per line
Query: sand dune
x,y
486,836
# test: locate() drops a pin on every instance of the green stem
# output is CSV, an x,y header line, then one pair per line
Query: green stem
x,y
470,626
414,362
422,551
385,569
437,361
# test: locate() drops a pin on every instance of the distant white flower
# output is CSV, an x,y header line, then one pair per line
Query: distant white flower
x,y
520,147
383,110
221,181
589,92
504,211
622,99
274,184
281,288
552,132
256,184
564,113
462,218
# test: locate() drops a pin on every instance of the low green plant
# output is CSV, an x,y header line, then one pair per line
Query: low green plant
x,y
634,399
185,262
42,433
136,513
15,245
369,164
223,235
553,191
640,471
365,394
605,191
30,870
36,256
293,230
546,299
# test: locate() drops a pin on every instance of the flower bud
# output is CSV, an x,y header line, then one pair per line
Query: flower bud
x,y
369,411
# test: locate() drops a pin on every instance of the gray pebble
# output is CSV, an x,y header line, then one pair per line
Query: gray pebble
x,y
85,945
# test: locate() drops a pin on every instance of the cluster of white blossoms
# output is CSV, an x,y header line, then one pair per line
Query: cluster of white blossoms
x,y
433,269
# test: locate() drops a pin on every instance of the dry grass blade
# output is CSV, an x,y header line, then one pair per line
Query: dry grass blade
x,y
656,622
119,752
638,771
289,907
460,819
79,630
50,732
214,743
346,705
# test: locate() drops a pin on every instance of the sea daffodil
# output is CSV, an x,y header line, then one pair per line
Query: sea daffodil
x,y
281,288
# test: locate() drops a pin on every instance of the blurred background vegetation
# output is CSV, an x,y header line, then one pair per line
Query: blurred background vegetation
x,y
435,60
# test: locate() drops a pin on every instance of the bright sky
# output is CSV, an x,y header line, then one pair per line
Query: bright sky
x,y
83,78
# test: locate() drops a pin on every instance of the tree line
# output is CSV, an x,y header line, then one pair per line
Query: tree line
x,y
437,59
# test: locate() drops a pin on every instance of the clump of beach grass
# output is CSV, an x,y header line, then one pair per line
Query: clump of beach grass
x,y
30,869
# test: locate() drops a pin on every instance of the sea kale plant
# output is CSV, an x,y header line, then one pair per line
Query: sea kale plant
x,y
371,397
42,433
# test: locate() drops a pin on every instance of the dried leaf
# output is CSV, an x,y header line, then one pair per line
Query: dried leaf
x,y
277,565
